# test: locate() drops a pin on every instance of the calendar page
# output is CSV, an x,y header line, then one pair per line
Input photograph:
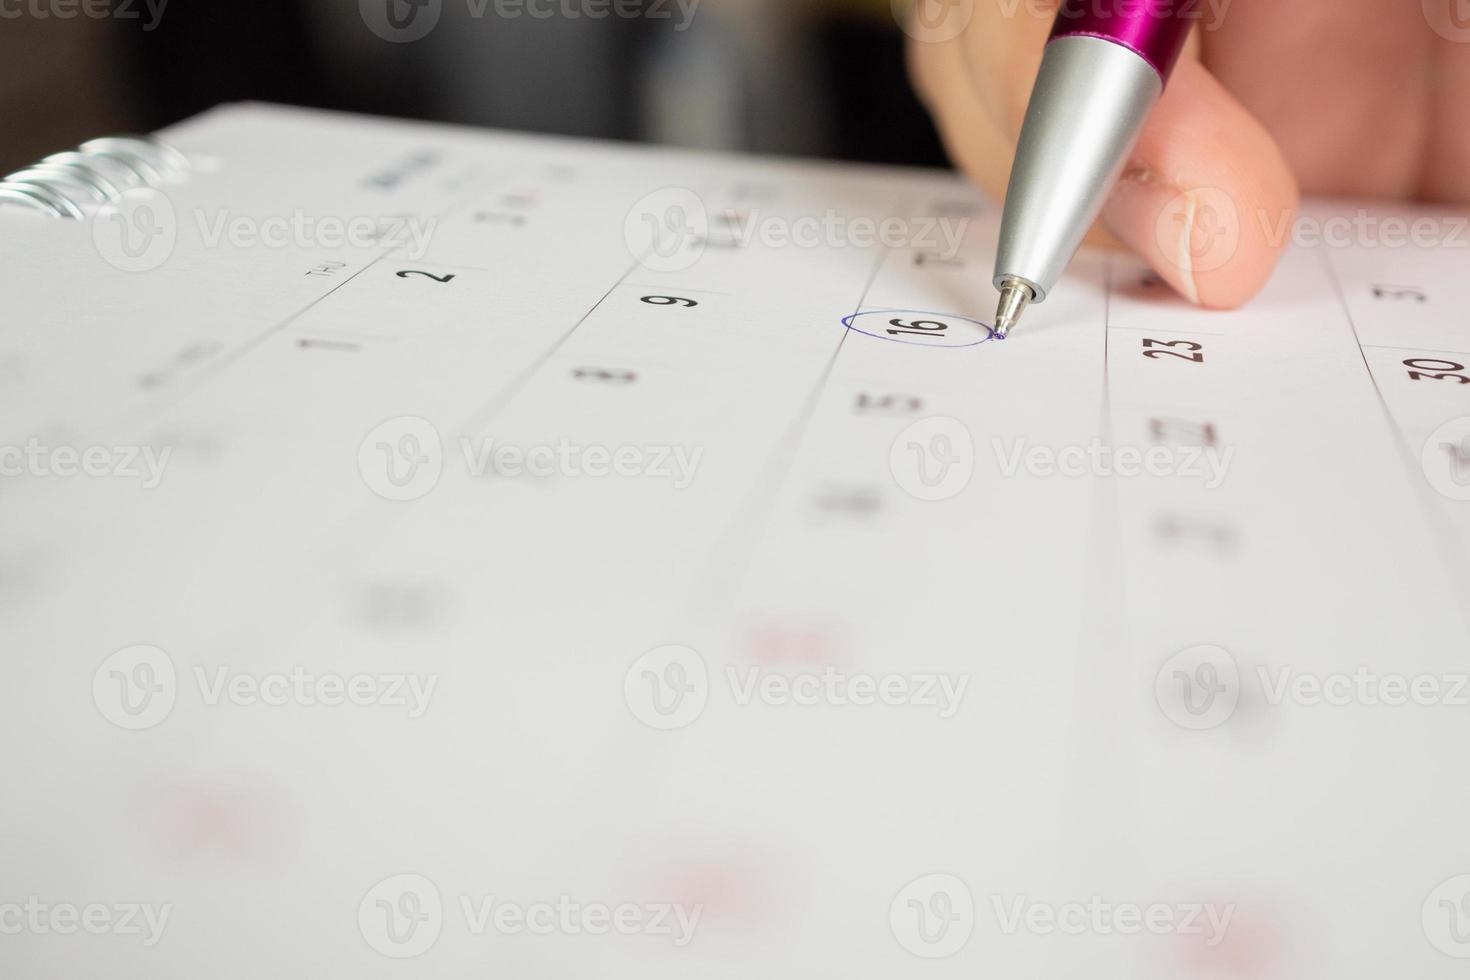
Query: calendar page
x,y
444,553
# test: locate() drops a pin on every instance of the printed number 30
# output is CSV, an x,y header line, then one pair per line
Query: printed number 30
x,y
1434,369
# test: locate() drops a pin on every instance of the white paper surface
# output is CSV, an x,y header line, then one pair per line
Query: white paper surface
x,y
950,693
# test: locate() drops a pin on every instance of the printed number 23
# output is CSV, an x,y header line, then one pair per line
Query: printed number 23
x,y
1196,350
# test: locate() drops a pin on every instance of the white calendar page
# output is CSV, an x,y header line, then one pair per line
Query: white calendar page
x,y
867,659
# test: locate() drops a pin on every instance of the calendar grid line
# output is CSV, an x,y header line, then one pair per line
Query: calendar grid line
x,y
1352,326
368,526
519,382
545,578
233,357
1108,490
683,289
1441,528
1191,332
1109,634
755,512
1415,350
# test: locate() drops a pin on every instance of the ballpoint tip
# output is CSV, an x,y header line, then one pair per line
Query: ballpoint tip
x,y
1014,295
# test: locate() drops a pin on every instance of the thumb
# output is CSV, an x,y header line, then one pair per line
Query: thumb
x,y
1207,197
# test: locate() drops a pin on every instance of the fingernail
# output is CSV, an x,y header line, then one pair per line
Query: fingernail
x,y
1183,233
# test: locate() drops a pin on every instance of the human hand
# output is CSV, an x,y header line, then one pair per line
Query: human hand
x,y
1342,97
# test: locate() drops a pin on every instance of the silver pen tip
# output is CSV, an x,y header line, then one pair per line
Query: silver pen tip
x,y
1014,295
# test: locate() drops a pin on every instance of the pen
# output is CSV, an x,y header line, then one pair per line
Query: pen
x,y
1103,70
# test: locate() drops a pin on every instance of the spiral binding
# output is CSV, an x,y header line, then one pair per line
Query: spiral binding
x,y
66,185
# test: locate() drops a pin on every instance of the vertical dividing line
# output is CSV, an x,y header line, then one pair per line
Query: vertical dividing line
x,y
746,530
150,413
1441,529
513,387
1103,775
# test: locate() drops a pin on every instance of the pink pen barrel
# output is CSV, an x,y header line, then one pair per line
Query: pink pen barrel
x,y
1155,30
1103,72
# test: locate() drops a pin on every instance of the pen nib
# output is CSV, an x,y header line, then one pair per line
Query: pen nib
x,y
1014,295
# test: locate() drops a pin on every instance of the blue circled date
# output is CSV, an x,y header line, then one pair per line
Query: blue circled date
x,y
921,329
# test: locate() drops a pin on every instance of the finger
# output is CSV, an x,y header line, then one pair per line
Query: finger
x,y
1206,198
974,69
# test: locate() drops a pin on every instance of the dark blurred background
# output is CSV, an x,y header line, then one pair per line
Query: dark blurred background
x,y
800,77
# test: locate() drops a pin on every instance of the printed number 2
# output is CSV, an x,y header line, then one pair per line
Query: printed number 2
x,y
427,275
1197,356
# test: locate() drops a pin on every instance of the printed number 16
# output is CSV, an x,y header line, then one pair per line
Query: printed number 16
x,y
921,328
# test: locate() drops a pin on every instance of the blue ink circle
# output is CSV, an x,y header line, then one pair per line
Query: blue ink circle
x,y
847,322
